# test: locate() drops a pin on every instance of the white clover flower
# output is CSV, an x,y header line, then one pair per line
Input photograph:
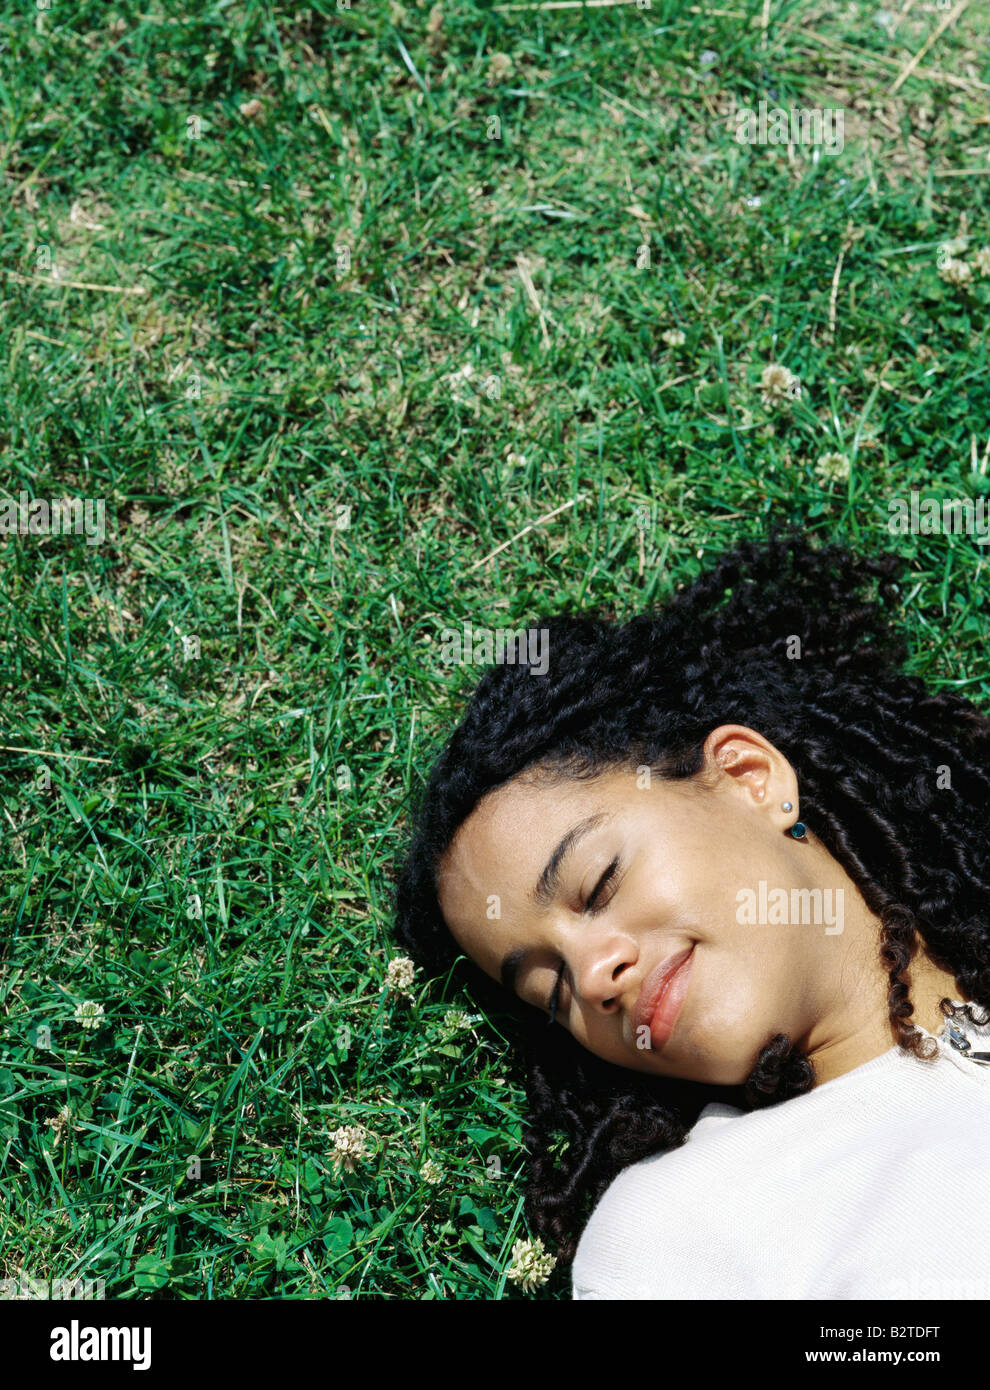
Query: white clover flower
x,y
400,975
954,247
779,386
832,468
349,1146
955,272
981,260
61,1124
673,337
499,68
456,1019
431,1172
531,1264
89,1014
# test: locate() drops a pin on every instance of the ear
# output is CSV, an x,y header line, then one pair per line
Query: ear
x,y
758,769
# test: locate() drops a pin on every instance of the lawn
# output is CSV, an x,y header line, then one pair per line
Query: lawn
x,y
365,321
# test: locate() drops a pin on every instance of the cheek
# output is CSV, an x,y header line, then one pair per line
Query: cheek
x,y
748,980
699,887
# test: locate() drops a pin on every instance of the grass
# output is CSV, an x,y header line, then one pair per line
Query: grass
x,y
281,237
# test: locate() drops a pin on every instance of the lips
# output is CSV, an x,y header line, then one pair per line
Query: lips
x,y
661,996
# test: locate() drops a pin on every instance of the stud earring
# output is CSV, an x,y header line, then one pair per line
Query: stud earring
x,y
799,830
786,806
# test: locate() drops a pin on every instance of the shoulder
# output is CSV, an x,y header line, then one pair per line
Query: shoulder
x,y
817,1193
660,1230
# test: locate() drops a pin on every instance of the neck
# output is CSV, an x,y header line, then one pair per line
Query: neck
x,y
857,1027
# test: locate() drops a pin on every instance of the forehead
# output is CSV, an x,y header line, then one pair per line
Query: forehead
x,y
513,816
486,877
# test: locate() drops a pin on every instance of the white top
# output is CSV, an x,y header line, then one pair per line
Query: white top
x,y
873,1185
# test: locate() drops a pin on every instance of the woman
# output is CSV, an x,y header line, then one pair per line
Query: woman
x,y
740,861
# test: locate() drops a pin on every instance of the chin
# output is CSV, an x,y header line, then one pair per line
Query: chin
x,y
720,1060
715,1073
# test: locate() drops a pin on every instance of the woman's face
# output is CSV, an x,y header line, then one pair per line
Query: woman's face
x,y
599,882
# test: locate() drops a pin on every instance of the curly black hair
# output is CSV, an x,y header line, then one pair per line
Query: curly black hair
x,y
893,779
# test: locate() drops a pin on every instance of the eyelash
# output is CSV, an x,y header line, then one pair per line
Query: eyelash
x,y
606,878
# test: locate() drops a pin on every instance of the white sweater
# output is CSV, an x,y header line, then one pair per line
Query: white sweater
x,y
873,1185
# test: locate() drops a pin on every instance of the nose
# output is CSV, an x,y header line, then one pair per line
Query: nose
x,y
600,963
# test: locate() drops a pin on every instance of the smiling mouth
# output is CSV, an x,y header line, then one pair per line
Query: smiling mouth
x,y
662,995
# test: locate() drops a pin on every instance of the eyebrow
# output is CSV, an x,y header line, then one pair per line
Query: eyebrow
x,y
545,891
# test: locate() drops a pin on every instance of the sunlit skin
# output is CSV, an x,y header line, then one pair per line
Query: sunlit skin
x,y
685,849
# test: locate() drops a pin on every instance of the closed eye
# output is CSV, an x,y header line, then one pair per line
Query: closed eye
x,y
594,903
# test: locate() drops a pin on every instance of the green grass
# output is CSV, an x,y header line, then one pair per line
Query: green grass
x,y
285,301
